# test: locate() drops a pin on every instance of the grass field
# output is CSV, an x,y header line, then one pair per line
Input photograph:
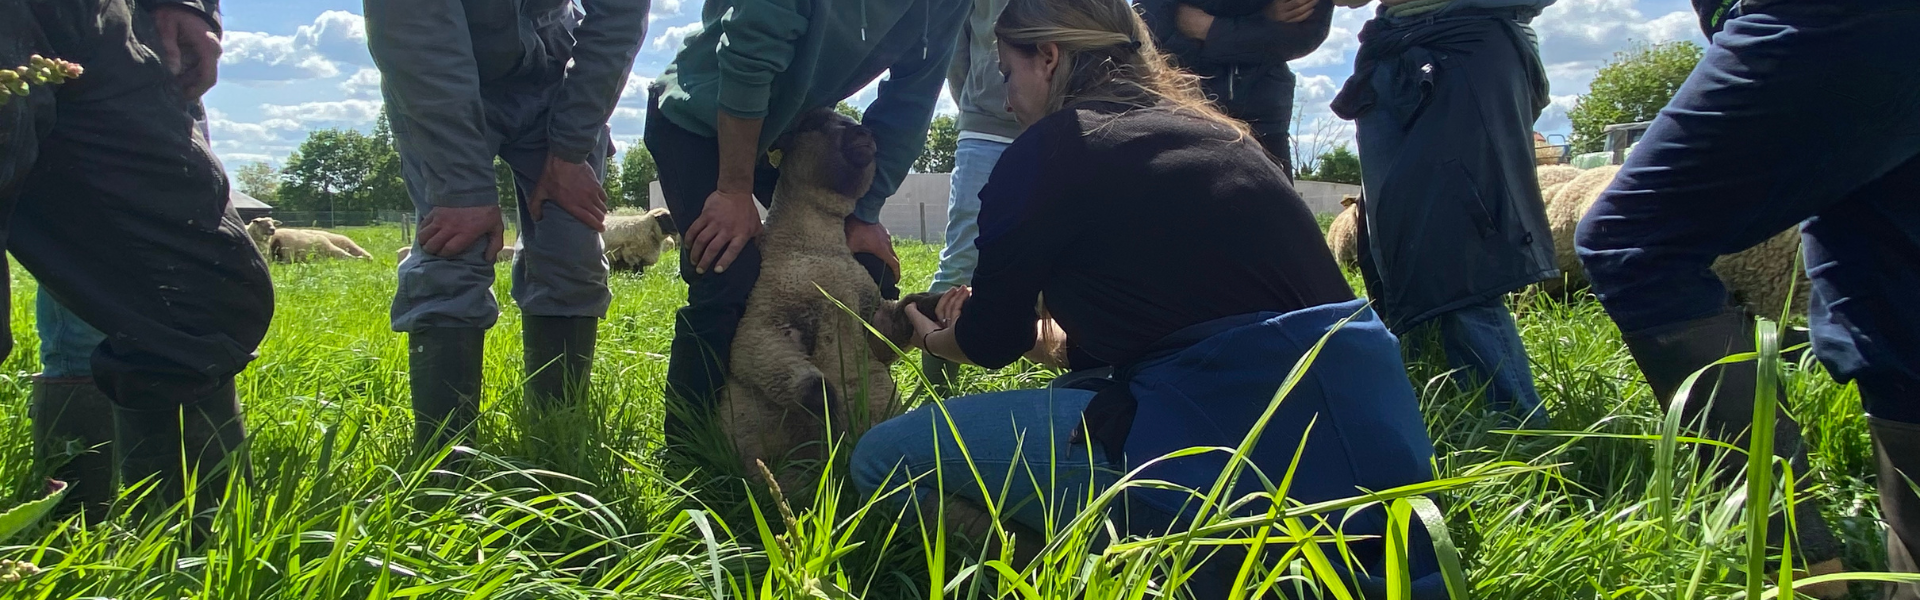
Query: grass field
x,y
339,510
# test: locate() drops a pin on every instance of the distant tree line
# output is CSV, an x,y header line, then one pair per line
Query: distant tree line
x,y
344,170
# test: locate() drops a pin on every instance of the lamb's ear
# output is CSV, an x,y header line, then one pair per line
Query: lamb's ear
x,y
276,222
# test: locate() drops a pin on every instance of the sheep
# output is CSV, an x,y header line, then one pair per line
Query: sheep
x,y
800,361
635,242
1551,175
506,254
296,245
1757,278
1343,236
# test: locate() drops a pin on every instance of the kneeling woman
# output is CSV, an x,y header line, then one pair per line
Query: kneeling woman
x,y
1168,243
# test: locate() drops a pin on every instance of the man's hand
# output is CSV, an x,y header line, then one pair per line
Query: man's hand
x,y
448,231
872,238
1290,11
1193,22
727,222
574,187
189,48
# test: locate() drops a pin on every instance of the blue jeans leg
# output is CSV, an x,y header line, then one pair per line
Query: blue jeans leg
x,y
66,342
1017,441
1483,344
973,161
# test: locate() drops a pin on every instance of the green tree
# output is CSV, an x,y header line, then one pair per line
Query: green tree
x,y
1632,87
503,185
328,172
637,173
260,180
612,184
847,109
943,139
1339,165
385,189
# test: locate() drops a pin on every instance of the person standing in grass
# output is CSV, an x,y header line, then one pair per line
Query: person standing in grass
x,y
739,83
1443,96
117,206
532,83
1799,114
1201,315
986,128
71,441
1240,48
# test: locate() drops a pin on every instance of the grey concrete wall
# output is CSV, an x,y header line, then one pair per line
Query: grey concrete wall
x,y
919,210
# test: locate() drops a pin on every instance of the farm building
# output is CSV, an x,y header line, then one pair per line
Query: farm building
x,y
249,207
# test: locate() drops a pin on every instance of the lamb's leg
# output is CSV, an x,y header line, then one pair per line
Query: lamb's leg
x,y
331,251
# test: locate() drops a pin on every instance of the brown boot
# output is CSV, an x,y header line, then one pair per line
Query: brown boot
x,y
72,440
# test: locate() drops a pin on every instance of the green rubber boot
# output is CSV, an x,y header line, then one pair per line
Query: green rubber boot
x,y
72,440
559,360
444,363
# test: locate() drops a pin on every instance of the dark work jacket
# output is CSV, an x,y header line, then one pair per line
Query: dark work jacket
x,y
1209,384
1452,214
1244,59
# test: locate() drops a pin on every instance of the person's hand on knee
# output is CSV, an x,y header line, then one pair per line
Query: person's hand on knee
x,y
726,224
447,231
574,187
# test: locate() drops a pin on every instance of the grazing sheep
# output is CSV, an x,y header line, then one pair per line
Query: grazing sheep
x,y
505,255
635,242
800,361
1343,236
1757,277
297,245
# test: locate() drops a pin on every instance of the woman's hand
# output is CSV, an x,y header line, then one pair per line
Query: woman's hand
x,y
950,304
1290,11
922,327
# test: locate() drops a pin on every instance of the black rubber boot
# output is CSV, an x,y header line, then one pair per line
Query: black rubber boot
x,y
1896,446
201,440
1721,402
940,373
445,366
559,360
73,442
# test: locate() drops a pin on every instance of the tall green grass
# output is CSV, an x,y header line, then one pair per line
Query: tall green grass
x,y
587,505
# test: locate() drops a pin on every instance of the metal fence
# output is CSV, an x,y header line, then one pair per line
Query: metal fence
x,y
323,219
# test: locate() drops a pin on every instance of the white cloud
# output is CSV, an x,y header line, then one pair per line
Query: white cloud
x,y
365,83
1592,30
673,36
1343,39
334,41
664,8
309,115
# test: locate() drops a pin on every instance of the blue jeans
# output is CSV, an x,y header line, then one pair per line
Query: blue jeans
x,y
1483,344
973,161
66,342
1736,158
1018,441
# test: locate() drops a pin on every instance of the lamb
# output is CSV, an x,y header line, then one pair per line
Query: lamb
x,y
635,242
1343,236
298,245
800,362
505,255
1552,175
1758,278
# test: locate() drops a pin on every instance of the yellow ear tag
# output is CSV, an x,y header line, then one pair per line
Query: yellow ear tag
x,y
773,158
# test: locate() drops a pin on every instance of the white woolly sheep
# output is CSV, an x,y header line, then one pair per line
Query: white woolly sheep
x,y
1758,278
295,245
1343,236
635,242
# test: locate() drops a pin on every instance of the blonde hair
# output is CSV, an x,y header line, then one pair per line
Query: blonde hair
x,y
1106,55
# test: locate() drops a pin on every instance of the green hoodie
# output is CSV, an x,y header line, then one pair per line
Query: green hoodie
x,y
778,59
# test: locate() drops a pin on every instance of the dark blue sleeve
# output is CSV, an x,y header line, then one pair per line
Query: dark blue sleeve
x,y
1021,236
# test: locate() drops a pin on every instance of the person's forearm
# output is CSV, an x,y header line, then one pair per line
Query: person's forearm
x,y
739,147
943,344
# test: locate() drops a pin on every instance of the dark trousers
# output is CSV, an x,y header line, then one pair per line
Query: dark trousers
x,y
703,329
1796,113
120,210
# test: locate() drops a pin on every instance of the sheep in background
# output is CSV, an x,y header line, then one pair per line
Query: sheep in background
x,y
505,255
635,242
1758,278
295,245
1343,236
1552,175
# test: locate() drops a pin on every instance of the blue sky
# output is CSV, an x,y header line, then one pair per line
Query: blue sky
x,y
295,65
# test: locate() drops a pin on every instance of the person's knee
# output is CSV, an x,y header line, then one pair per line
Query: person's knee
x,y
879,460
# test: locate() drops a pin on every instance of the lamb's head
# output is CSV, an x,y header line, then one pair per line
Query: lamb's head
x,y
261,230
828,151
892,322
668,230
